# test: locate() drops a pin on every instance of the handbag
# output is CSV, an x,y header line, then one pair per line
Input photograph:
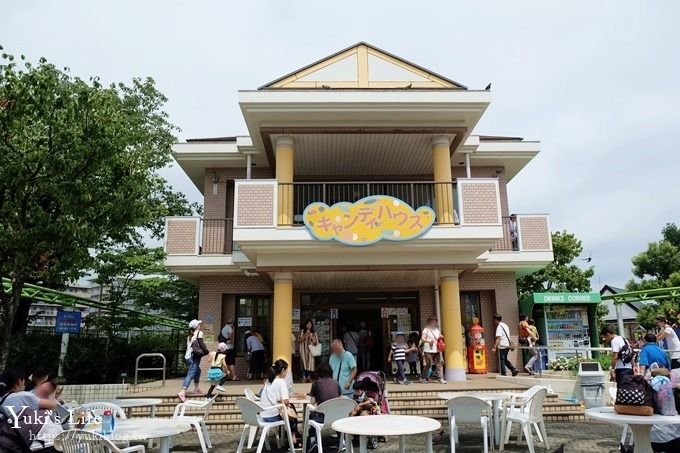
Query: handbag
x,y
441,345
315,349
634,396
197,350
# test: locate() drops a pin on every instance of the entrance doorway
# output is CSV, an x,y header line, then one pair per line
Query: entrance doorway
x,y
381,314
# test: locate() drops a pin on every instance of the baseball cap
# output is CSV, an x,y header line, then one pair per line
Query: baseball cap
x,y
222,346
194,323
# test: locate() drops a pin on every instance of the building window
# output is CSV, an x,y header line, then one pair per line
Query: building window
x,y
470,309
253,311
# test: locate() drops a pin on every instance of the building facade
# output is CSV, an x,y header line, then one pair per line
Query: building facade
x,y
360,197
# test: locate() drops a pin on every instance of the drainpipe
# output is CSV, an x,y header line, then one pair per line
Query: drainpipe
x,y
249,164
467,166
619,320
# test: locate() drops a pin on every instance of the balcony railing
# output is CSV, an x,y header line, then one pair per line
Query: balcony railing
x,y
416,194
510,238
525,232
216,237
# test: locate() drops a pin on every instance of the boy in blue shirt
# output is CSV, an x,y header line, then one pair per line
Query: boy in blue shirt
x,y
652,353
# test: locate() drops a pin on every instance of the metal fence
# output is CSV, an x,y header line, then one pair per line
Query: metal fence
x,y
217,236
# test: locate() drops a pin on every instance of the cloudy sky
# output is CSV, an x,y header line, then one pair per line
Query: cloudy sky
x,y
595,82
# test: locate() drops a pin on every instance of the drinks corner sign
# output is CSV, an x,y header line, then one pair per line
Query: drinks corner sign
x,y
566,298
367,221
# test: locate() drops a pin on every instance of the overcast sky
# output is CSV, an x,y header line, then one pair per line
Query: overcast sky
x,y
596,82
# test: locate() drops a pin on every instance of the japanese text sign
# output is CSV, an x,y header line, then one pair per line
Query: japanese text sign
x,y
367,221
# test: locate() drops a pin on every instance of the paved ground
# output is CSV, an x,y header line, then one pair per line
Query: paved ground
x,y
577,437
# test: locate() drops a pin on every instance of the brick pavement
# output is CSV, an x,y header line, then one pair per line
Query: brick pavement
x,y
578,437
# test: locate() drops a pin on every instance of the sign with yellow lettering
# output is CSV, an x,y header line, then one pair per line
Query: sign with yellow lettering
x,y
367,221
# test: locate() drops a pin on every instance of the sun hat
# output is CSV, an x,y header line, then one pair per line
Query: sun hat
x,y
222,346
194,323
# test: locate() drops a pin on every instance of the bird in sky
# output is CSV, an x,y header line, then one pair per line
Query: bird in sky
x,y
590,257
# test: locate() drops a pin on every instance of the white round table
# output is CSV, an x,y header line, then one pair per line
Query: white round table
x,y
639,424
136,429
387,425
494,398
129,403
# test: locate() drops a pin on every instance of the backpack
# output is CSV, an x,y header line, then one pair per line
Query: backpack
x,y
369,342
634,396
626,353
11,440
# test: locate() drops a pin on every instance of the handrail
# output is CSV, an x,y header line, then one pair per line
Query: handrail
x,y
150,354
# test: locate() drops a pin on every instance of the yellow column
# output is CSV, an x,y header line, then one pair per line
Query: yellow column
x,y
449,295
285,151
282,316
441,160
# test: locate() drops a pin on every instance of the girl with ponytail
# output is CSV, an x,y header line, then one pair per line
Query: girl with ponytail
x,y
275,392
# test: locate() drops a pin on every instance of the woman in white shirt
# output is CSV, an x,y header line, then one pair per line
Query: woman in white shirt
x,y
668,336
275,392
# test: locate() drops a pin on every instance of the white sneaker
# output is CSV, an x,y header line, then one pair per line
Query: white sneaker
x,y
219,388
442,381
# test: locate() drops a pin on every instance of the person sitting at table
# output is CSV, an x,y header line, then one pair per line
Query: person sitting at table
x,y
275,392
24,410
323,389
651,353
664,438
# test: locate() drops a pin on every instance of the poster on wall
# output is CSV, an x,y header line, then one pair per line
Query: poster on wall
x,y
245,322
334,313
296,314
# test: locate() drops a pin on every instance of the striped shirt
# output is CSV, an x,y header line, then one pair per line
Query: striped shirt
x,y
399,351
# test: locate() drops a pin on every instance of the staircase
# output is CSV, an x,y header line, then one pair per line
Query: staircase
x,y
225,415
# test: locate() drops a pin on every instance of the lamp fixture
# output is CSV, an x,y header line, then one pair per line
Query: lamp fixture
x,y
215,181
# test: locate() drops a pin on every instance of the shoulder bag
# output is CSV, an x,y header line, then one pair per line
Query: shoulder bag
x,y
290,409
511,344
315,349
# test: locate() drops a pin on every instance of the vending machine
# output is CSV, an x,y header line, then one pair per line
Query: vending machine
x,y
565,321
566,327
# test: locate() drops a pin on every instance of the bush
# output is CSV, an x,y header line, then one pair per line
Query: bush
x,y
86,361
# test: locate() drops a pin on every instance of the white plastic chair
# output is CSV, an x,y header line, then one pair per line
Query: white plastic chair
x,y
253,429
624,434
468,410
250,411
519,398
197,421
98,407
78,441
251,395
333,410
528,413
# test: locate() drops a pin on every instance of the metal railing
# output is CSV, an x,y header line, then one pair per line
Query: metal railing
x,y
508,243
415,193
216,236
150,354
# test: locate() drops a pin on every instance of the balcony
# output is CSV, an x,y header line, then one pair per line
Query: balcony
x,y
415,194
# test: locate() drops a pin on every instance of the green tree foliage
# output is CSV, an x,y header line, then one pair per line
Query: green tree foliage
x,y
562,275
137,278
79,168
658,267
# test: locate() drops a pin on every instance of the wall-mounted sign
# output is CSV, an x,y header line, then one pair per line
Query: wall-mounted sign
x,y
245,322
67,322
296,314
386,312
334,313
367,221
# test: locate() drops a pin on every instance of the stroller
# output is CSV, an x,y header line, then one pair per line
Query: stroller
x,y
373,383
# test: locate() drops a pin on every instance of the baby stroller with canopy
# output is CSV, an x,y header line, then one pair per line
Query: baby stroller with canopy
x,y
371,395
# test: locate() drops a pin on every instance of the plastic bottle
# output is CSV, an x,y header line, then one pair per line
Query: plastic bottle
x,y
107,422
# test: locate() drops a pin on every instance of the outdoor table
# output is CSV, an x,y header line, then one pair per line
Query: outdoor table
x,y
640,425
136,429
490,397
129,403
387,425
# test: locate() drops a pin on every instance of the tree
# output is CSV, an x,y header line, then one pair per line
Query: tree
x,y
659,265
137,278
561,275
79,168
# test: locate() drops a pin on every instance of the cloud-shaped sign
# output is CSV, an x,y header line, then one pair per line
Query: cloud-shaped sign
x,y
367,221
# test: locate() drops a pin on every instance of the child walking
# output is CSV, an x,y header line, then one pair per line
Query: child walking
x,y
414,356
398,354
218,368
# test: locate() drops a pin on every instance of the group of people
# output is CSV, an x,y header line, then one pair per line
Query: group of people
x,y
29,405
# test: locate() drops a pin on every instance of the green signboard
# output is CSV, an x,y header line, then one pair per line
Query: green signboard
x,y
566,298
